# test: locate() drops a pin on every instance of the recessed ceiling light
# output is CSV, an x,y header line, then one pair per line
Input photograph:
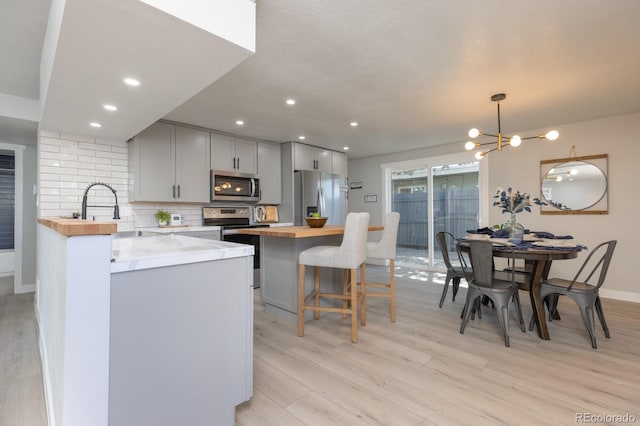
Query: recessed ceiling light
x,y
95,124
239,122
110,107
346,148
302,137
132,81
354,124
291,101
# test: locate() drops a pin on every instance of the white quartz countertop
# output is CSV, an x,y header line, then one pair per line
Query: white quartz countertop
x,y
171,230
130,254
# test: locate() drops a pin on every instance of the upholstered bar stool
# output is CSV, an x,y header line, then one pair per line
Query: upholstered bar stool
x,y
385,249
350,255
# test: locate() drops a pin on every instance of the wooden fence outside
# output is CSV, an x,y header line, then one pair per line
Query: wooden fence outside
x,y
455,211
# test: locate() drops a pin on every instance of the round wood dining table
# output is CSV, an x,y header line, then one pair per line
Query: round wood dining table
x,y
541,259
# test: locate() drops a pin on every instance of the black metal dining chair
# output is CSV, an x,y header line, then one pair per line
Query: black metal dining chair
x,y
579,289
455,273
483,282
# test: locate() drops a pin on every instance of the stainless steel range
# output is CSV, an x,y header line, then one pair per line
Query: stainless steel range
x,y
230,219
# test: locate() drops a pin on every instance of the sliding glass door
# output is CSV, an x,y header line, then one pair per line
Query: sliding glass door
x,y
440,195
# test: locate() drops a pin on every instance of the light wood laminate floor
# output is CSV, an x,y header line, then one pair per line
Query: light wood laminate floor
x,y
420,370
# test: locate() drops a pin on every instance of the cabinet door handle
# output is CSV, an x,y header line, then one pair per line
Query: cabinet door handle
x,y
178,191
238,167
174,191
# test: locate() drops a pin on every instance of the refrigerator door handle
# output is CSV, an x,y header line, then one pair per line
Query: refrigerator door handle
x,y
321,206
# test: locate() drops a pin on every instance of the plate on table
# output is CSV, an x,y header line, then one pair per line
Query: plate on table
x,y
477,237
555,243
504,241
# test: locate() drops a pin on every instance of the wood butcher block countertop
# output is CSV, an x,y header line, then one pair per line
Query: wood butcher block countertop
x,y
300,231
76,227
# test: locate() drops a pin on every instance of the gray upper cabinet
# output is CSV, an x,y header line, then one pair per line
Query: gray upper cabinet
x,y
308,157
270,173
233,154
339,166
192,165
169,163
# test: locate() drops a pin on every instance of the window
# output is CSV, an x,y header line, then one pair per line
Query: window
x,y
7,201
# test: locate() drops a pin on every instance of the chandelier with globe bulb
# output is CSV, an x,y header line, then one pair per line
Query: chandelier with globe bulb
x,y
501,140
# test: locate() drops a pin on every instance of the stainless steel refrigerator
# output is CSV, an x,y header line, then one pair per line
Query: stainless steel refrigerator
x,y
319,192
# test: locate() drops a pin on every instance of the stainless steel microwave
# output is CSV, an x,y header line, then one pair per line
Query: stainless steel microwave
x,y
234,186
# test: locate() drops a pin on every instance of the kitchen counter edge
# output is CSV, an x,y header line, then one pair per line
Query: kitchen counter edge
x,y
78,227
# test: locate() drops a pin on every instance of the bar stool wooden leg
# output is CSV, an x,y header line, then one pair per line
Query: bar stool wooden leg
x,y
316,297
301,274
354,307
345,291
363,294
392,288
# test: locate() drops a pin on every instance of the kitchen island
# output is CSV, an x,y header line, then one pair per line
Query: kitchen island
x,y
279,251
144,330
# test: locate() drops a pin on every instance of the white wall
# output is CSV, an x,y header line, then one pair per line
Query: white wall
x,y
519,168
7,263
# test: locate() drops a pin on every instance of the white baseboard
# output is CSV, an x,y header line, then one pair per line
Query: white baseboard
x,y
48,402
25,288
625,296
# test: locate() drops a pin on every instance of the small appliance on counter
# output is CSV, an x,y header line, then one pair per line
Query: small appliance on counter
x,y
265,214
176,219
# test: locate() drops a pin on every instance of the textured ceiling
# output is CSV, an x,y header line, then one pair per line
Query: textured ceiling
x,y
413,73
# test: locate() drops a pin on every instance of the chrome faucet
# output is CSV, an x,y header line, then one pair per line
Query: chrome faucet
x,y
116,208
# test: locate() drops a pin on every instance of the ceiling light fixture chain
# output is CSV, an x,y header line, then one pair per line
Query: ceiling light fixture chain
x,y
501,140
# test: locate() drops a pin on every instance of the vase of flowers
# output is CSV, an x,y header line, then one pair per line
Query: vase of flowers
x,y
514,202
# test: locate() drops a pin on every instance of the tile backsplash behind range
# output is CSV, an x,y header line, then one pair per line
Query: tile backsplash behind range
x,y
69,163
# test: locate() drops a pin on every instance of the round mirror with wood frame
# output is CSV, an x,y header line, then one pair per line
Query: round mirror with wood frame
x,y
576,185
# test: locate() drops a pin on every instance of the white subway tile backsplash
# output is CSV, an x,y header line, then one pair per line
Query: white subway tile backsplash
x,y
112,168
76,138
120,149
50,206
83,161
60,198
49,134
50,162
121,175
96,173
86,165
49,177
87,152
65,142
48,147
70,164
57,170
94,146
116,155
110,142
57,155
69,150
87,159
50,191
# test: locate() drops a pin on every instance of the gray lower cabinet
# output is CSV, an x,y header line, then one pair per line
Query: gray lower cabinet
x,y
181,349
279,273
169,163
270,173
